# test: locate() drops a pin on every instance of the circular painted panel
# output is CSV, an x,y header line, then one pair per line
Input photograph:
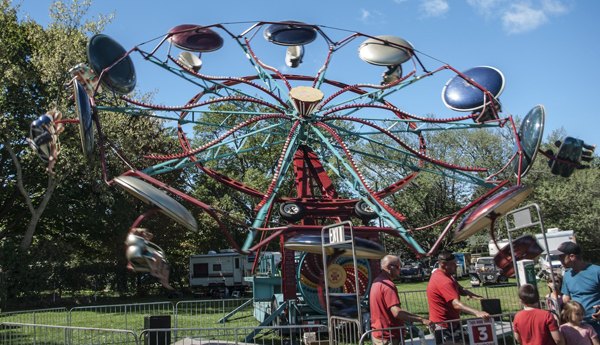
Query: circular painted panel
x,y
381,53
530,134
195,38
288,33
461,95
84,114
570,150
154,196
497,206
312,244
525,247
310,276
103,52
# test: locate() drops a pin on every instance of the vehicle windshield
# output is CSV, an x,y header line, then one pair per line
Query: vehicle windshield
x,y
411,263
554,258
485,262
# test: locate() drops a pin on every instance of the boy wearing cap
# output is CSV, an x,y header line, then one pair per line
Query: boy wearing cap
x,y
582,282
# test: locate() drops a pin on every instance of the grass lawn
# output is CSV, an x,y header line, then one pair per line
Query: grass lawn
x,y
204,314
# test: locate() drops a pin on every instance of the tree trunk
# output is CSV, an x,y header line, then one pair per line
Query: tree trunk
x,y
35,213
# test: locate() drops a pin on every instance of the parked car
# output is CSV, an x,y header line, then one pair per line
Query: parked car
x,y
414,270
486,271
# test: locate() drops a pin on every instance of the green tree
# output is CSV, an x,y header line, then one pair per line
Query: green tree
x,y
33,82
79,237
571,203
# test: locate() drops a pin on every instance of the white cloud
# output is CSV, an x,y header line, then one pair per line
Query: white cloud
x,y
485,7
522,18
371,17
364,15
554,7
434,8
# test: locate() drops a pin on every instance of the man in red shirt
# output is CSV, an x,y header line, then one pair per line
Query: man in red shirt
x,y
443,295
386,313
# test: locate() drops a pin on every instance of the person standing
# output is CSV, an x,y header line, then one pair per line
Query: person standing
x,y
573,329
386,312
532,325
443,295
581,283
555,297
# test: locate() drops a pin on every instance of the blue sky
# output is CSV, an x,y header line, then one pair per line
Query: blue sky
x,y
547,49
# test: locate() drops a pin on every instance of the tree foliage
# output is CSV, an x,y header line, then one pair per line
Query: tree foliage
x,y
82,221
68,230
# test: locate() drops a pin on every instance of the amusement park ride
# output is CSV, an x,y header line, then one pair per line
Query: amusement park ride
x,y
323,130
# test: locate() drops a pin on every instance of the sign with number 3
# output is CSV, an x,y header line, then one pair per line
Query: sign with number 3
x,y
482,332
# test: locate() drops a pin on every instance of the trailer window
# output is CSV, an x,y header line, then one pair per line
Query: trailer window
x,y
216,267
237,262
201,270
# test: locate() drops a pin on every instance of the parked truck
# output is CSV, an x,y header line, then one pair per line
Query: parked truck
x,y
487,272
463,264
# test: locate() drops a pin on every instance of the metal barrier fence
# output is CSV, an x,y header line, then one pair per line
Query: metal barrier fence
x,y
272,335
458,332
345,331
54,316
13,333
211,314
416,301
216,313
218,317
120,316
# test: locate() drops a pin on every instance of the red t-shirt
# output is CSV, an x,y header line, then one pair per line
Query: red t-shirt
x,y
382,297
534,326
441,291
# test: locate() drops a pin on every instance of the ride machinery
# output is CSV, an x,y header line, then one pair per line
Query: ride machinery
x,y
343,148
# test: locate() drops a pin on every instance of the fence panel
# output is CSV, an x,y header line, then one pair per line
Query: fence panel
x,y
507,294
12,333
53,316
207,314
460,334
120,316
344,331
267,335
416,301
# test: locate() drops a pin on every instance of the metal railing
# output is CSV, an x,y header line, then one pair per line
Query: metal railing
x,y
457,332
213,314
53,316
119,316
342,332
272,335
14,333
216,317
416,301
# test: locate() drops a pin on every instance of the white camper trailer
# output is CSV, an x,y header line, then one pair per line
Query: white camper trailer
x,y
227,268
555,238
